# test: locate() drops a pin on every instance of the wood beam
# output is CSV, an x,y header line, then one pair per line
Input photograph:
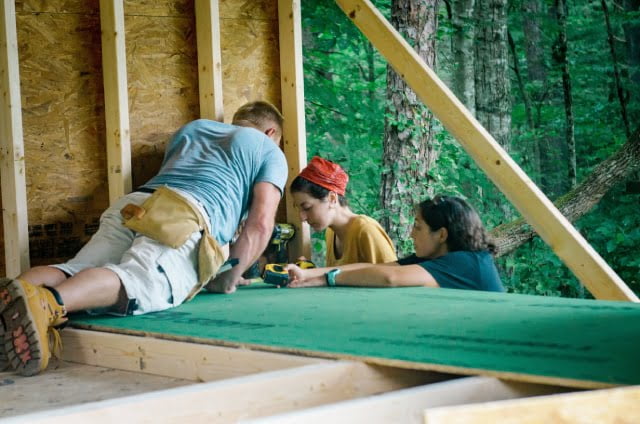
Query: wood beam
x,y
233,399
12,174
292,87
537,209
620,405
190,361
408,405
116,98
209,59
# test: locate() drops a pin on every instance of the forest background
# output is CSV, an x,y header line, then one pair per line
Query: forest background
x,y
557,84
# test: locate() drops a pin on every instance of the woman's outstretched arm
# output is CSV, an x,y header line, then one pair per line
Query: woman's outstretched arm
x,y
364,275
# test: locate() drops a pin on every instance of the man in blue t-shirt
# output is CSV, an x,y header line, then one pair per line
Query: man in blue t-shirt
x,y
220,174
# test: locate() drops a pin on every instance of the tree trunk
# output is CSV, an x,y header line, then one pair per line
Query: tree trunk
x,y
534,47
536,91
580,200
632,40
462,49
408,149
492,82
561,57
616,69
521,86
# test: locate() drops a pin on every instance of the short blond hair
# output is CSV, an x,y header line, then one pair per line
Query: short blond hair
x,y
259,114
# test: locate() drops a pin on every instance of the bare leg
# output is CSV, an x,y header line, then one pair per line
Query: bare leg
x,y
91,288
43,276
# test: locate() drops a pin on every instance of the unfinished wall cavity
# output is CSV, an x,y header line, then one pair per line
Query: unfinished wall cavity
x,y
59,46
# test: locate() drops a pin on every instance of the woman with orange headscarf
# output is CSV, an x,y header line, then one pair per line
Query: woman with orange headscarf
x,y
318,193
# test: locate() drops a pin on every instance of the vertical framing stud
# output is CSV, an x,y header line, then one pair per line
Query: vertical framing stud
x,y
292,86
209,59
116,98
12,164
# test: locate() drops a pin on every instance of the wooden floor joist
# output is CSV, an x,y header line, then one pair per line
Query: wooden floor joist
x,y
190,361
610,406
234,399
408,405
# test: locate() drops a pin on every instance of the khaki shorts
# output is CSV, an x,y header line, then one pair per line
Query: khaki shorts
x,y
155,277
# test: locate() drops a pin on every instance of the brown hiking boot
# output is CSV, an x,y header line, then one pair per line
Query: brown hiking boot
x,y
30,314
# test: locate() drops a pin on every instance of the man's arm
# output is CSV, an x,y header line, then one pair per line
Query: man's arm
x,y
253,239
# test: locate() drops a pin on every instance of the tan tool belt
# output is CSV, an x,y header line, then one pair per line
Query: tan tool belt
x,y
170,219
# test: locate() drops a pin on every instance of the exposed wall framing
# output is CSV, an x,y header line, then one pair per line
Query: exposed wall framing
x,y
72,163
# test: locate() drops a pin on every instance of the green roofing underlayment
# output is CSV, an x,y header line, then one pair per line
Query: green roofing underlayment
x,y
597,341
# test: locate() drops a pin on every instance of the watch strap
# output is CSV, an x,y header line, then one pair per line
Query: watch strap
x,y
331,277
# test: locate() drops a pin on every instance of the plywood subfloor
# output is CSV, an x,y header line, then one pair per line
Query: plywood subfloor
x,y
582,343
66,384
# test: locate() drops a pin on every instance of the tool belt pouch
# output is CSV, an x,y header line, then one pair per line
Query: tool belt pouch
x,y
170,219
165,217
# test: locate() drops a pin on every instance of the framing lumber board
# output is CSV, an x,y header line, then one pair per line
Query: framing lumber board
x,y
407,406
537,209
620,405
116,98
191,361
67,384
233,399
12,174
295,142
209,59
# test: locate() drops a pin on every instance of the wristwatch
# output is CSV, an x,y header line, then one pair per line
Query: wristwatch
x,y
331,277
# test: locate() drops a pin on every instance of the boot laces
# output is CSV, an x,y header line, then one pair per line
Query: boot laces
x,y
55,342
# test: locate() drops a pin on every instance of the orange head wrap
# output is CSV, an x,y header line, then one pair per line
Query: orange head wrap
x,y
326,174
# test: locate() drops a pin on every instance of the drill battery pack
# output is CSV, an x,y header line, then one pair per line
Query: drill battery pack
x,y
276,275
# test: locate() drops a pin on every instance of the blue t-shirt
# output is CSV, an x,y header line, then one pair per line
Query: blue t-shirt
x,y
461,270
218,164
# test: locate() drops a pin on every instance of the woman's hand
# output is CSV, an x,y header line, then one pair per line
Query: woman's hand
x,y
299,277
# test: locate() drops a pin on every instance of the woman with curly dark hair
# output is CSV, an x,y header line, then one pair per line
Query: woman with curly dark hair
x,y
453,250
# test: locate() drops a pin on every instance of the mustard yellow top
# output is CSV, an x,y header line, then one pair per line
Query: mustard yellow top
x,y
365,241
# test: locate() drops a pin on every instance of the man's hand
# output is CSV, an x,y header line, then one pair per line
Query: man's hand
x,y
226,283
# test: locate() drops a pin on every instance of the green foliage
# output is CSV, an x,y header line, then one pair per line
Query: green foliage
x,y
345,90
345,83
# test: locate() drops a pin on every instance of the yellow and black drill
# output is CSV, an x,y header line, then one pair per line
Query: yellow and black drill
x,y
276,250
274,273
281,235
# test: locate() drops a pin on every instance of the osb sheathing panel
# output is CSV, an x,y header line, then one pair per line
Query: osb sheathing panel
x,y
63,103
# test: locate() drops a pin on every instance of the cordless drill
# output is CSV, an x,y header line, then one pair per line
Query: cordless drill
x,y
281,235
276,250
